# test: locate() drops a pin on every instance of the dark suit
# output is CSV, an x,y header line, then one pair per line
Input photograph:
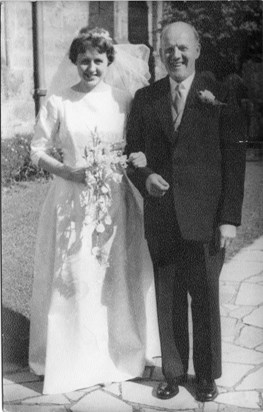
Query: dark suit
x,y
204,164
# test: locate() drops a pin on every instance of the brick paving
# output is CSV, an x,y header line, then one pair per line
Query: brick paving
x,y
240,387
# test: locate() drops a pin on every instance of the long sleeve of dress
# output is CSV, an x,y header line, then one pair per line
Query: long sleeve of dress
x,y
46,130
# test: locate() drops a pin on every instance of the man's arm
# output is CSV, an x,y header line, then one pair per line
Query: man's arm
x,y
135,137
233,150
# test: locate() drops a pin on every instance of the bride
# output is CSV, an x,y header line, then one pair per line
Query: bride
x,y
93,315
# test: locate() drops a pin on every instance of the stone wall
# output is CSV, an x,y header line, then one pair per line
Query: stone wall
x,y
17,105
61,21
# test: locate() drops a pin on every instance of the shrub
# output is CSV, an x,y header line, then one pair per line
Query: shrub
x,y
16,162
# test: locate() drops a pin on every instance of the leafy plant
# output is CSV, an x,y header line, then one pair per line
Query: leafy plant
x,y
16,164
231,31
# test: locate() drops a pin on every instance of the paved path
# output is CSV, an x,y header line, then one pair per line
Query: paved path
x,y
241,386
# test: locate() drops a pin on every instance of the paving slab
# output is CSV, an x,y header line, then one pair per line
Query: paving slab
x,y
250,294
232,373
256,245
229,306
17,392
114,388
234,271
228,327
144,409
234,353
100,401
259,348
249,255
256,279
253,381
250,337
79,393
245,399
232,408
228,292
27,408
57,399
75,396
239,312
145,395
224,311
210,407
255,318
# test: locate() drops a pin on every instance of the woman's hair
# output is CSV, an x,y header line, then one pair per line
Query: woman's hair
x,y
97,38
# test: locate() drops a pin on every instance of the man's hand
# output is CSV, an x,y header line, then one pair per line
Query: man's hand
x,y
227,234
156,185
138,159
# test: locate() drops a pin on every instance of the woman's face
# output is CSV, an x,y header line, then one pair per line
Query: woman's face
x,y
92,67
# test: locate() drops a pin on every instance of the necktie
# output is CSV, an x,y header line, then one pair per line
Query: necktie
x,y
178,100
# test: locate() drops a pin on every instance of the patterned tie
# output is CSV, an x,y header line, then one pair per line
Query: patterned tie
x,y
178,106
178,101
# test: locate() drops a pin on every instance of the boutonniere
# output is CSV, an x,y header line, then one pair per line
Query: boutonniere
x,y
207,97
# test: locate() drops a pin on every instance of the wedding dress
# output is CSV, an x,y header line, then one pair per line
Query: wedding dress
x,y
90,324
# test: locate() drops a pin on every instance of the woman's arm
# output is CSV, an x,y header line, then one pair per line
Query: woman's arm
x,y
57,168
46,137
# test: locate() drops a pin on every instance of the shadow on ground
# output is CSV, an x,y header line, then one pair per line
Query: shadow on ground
x,y
15,338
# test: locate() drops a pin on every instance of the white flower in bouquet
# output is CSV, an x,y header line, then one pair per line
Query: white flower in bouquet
x,y
105,164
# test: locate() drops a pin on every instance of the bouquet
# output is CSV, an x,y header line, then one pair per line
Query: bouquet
x,y
105,164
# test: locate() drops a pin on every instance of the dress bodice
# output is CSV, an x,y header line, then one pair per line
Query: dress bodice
x,y
69,121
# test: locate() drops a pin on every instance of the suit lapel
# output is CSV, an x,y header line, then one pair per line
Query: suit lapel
x,y
192,101
162,106
192,98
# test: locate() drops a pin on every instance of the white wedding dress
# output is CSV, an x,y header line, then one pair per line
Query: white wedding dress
x,y
90,324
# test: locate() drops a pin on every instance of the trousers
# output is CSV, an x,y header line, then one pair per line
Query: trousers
x,y
187,275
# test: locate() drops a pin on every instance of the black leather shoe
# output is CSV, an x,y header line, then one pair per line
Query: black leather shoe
x,y
206,390
167,391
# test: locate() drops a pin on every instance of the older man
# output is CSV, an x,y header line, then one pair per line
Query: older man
x,y
190,130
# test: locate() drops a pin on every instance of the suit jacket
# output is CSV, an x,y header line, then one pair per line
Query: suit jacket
x,y
203,161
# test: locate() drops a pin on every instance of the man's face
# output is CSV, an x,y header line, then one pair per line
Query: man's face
x,y
179,51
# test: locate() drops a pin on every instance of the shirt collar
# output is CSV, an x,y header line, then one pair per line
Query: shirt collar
x,y
186,84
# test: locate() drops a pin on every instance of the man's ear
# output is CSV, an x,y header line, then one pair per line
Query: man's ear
x,y
198,50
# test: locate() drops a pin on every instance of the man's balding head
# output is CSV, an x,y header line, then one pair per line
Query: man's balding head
x,y
180,47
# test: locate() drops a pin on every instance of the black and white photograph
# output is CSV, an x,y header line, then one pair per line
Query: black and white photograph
x,y
132,206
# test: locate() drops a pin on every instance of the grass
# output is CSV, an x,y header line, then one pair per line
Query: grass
x,y
21,207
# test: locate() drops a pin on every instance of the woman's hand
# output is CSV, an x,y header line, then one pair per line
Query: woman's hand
x,y
53,166
138,159
77,175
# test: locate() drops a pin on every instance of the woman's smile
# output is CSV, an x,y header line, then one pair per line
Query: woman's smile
x,y
92,67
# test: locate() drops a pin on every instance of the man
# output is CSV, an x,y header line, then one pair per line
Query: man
x,y
190,131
